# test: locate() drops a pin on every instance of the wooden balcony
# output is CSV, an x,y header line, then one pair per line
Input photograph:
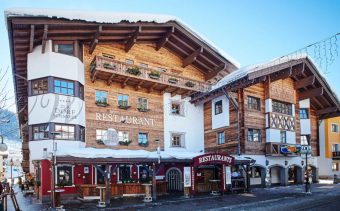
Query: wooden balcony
x,y
273,149
336,155
281,121
114,71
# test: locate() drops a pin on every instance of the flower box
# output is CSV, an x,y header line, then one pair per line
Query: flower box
x,y
143,109
125,143
102,104
109,66
190,84
173,80
154,75
134,71
125,107
143,144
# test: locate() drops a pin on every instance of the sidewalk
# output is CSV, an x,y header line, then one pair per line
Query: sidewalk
x,y
201,202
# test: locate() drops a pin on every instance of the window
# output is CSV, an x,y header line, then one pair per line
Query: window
x,y
305,140
283,136
64,48
177,108
142,138
40,86
143,65
281,107
124,173
335,166
335,148
304,113
100,169
129,61
106,55
254,135
177,140
218,107
63,87
335,128
123,100
81,91
101,97
161,69
142,103
220,138
100,134
123,136
66,131
82,134
64,175
254,103
40,131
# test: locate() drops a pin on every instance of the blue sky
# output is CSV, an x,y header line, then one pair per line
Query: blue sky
x,y
251,31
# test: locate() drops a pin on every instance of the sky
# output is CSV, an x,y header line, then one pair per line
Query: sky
x,y
251,31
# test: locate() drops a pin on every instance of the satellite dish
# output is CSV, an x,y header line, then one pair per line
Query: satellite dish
x,y
110,137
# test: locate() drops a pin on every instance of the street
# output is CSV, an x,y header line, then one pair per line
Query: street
x,y
324,197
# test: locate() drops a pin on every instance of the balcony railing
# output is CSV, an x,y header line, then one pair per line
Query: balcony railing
x,y
274,149
281,121
107,65
336,154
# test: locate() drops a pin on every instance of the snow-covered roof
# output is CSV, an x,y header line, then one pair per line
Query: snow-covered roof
x,y
111,17
89,152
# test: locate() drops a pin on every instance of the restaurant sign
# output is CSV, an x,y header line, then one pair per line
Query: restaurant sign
x,y
213,158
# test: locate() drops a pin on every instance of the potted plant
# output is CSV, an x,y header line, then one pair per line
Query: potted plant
x,y
154,75
99,141
101,103
190,84
125,143
124,106
134,71
173,80
109,66
143,108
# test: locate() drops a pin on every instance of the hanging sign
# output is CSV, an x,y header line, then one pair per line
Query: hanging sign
x,y
213,158
306,149
290,149
228,175
187,176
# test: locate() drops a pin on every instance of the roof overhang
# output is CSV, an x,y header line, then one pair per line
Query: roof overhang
x,y
308,81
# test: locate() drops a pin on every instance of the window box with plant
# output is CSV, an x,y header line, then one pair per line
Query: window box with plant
x,y
143,109
101,103
124,106
125,143
154,75
173,80
134,71
109,66
190,84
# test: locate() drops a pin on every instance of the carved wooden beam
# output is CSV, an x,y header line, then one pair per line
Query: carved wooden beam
x,y
76,48
44,38
110,80
151,87
192,57
304,82
164,89
133,39
186,94
175,92
94,42
31,39
165,38
217,70
326,110
138,86
311,93
93,75
125,82
281,74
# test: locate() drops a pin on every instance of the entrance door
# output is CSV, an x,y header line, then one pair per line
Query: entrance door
x,y
174,179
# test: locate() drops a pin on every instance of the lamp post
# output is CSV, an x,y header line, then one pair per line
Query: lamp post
x,y
154,183
53,163
11,163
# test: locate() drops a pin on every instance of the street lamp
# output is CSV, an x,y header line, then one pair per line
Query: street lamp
x,y
53,163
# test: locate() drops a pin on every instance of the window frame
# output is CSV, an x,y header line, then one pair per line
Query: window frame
x,y
307,139
336,165
118,100
283,136
102,131
62,87
181,141
219,142
123,136
304,115
337,126
39,81
180,108
335,147
218,107
129,61
143,138
101,92
61,135
250,134
61,42
119,179
57,176
254,103
46,132
139,103
282,107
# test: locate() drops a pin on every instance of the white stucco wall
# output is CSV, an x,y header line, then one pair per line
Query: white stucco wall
x,y
56,108
53,64
222,119
269,107
191,124
305,124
